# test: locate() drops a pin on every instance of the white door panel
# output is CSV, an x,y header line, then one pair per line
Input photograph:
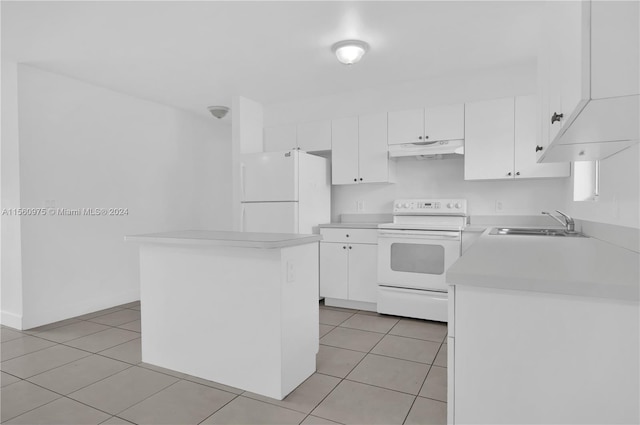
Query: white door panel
x,y
373,148
363,282
489,139
406,126
444,122
334,268
344,154
269,176
270,217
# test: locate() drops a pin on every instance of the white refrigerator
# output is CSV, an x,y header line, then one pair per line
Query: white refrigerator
x,y
284,192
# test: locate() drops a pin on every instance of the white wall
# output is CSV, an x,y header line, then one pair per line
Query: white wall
x,y
445,179
10,259
477,85
429,178
247,128
85,146
619,200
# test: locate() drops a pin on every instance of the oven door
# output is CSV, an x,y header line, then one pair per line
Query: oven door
x,y
416,259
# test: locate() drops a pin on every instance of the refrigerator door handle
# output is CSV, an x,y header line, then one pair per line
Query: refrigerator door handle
x,y
242,221
244,196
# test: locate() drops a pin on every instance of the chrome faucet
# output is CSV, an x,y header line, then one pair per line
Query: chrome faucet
x,y
569,225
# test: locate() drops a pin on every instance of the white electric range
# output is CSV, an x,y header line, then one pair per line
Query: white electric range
x,y
414,253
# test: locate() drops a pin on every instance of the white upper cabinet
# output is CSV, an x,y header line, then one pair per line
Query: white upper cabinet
x,y
281,138
526,143
588,69
501,138
373,153
406,126
425,125
444,122
314,136
359,150
344,153
489,144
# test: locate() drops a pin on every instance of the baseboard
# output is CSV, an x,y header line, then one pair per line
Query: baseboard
x,y
11,319
354,305
62,312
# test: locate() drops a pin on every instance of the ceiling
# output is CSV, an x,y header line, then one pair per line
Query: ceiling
x,y
199,53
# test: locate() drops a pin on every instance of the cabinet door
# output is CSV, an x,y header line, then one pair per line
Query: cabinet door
x,y
566,48
526,120
406,126
363,276
543,81
344,151
314,136
373,149
444,122
280,138
489,139
573,40
334,270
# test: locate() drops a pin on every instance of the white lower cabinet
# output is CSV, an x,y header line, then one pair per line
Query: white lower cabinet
x,y
362,276
334,270
348,269
527,357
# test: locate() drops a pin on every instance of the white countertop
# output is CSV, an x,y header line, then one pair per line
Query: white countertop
x,y
562,265
223,238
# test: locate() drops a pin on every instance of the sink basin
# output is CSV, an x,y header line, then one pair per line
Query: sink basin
x,y
527,231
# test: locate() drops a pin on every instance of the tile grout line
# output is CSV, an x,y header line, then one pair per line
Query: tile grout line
x,y
63,395
415,396
221,407
355,366
341,379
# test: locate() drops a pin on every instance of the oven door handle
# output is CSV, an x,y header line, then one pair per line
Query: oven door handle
x,y
426,235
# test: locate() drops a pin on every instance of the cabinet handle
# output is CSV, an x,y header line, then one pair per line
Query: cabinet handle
x,y
518,173
426,137
355,180
420,137
360,178
344,247
556,117
509,173
539,148
349,246
347,235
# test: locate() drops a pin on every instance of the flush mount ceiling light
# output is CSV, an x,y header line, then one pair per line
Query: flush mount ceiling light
x,y
218,111
349,52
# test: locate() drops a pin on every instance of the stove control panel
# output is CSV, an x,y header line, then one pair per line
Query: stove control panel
x,y
430,207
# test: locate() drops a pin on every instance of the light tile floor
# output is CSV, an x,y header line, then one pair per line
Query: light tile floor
x,y
371,369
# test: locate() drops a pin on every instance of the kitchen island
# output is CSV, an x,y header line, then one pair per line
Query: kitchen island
x,y
544,330
236,308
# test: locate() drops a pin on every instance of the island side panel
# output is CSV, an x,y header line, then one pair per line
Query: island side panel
x,y
300,315
213,312
527,357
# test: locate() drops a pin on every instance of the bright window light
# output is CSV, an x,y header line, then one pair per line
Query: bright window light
x,y
586,180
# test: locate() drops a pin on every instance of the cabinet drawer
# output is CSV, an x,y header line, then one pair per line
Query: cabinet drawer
x,y
349,235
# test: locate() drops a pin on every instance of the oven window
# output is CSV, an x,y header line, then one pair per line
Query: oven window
x,y
417,258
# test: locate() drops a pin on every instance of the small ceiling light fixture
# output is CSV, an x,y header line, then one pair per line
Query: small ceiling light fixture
x,y
349,52
218,111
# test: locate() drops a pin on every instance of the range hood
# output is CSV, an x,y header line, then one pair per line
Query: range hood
x,y
435,149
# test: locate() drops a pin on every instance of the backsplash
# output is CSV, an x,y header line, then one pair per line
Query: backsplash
x,y
444,178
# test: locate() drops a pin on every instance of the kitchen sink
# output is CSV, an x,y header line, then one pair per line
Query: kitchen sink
x,y
528,231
